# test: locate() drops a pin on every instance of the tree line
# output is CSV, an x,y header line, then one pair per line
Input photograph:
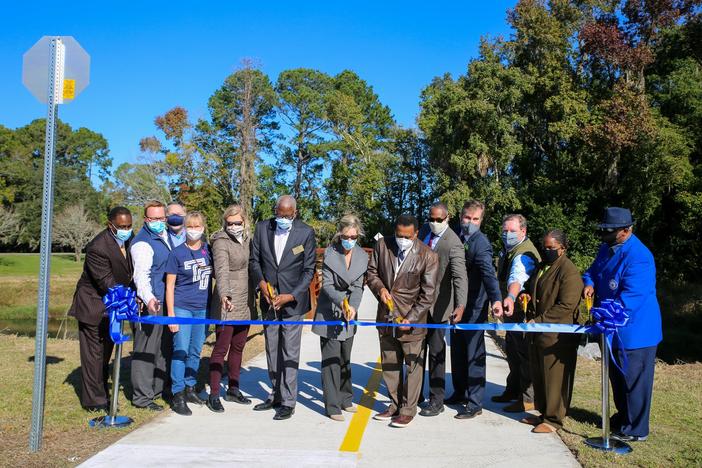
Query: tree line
x,y
587,103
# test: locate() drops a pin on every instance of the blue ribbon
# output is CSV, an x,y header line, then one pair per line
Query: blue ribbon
x,y
120,303
609,317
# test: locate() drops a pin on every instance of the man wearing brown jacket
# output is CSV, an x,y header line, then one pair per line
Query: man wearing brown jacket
x,y
402,274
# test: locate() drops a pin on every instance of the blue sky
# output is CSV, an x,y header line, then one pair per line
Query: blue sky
x,y
148,57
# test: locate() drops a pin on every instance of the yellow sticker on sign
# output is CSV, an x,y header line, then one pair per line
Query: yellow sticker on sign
x,y
69,89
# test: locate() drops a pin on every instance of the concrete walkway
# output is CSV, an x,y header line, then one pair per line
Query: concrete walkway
x,y
242,437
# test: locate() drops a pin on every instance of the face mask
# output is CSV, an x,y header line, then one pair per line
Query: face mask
x,y
193,234
609,238
284,224
438,228
469,229
123,234
348,244
404,244
156,226
236,231
510,239
175,220
549,256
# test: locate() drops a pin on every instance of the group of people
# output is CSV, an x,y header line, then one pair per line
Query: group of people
x,y
419,274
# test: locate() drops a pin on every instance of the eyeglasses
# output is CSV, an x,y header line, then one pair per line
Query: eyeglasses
x,y
235,223
437,220
348,237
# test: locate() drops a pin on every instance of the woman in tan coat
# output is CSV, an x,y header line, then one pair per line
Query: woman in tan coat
x,y
553,297
233,300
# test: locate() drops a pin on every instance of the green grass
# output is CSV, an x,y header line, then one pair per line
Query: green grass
x,y
13,265
676,419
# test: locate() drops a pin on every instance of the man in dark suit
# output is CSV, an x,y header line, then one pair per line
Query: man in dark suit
x,y
283,256
107,264
468,347
450,300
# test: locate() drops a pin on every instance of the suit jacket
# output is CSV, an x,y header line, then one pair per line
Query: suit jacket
x,y
339,283
231,270
629,277
296,269
555,292
413,286
482,278
104,267
452,275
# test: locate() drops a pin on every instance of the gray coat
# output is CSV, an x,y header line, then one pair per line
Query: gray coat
x,y
452,290
339,283
231,269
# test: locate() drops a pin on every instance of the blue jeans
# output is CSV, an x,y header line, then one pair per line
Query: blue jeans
x,y
187,345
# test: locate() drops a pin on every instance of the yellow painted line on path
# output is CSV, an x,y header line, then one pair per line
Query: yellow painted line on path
x,y
354,434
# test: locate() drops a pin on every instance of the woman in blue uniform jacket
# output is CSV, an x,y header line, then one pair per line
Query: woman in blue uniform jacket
x,y
625,271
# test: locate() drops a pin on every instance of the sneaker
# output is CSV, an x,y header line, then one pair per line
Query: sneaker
x,y
628,438
386,415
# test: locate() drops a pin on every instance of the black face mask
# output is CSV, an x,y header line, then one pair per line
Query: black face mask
x,y
549,256
609,238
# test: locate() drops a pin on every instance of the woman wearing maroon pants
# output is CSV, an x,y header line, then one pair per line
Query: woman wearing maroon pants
x,y
233,300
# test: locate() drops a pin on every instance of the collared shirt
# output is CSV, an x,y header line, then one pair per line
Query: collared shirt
x,y
177,239
120,244
521,269
432,239
614,248
281,238
143,258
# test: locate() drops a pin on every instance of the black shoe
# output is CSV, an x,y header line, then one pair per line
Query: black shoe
x,y
456,399
152,406
284,412
504,398
191,396
214,404
265,406
179,405
97,408
466,413
628,438
434,408
237,398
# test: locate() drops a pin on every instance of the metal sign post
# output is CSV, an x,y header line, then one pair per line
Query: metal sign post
x,y
605,442
43,70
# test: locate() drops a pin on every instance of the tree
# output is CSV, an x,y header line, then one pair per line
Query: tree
x,y
9,226
242,123
73,228
302,104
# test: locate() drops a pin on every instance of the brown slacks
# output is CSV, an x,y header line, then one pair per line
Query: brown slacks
x,y
95,353
553,362
403,390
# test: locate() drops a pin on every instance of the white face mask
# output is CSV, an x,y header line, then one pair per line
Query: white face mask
x,y
404,244
236,231
193,234
438,228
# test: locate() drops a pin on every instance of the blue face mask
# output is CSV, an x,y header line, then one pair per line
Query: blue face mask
x,y
284,224
510,239
348,244
175,220
123,234
156,226
469,229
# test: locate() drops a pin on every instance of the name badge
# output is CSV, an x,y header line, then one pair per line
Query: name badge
x,y
297,250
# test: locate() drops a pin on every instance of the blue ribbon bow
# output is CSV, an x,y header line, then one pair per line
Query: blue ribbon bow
x,y
120,303
609,317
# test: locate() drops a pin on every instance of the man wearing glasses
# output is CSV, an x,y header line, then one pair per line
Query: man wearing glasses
x,y
450,302
149,251
282,264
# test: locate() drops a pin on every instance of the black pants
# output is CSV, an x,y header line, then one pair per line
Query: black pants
x,y
517,351
468,359
633,390
436,354
95,352
336,374
153,347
